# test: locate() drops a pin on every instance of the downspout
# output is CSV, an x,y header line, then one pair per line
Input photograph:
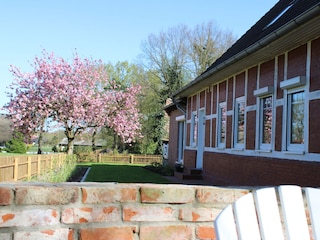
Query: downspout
x,y
179,106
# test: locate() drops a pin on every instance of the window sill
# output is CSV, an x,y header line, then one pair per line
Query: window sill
x,y
221,148
263,150
294,152
237,149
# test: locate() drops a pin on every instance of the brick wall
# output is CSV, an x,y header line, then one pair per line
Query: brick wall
x,y
110,211
237,170
173,137
189,159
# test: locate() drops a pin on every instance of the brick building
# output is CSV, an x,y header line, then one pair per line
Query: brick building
x,y
252,117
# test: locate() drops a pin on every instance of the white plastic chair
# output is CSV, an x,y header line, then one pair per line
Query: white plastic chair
x,y
273,213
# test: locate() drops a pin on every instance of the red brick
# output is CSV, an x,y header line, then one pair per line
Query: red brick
x,y
266,74
52,234
167,194
315,65
218,197
240,85
198,214
46,195
35,217
149,213
97,214
181,232
112,233
205,233
297,62
110,194
6,196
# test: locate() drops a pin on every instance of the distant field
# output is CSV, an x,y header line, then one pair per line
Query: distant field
x,y
44,149
33,149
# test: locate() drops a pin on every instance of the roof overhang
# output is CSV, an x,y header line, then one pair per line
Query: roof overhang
x,y
297,32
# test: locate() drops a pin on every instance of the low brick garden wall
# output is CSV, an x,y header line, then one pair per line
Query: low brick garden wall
x,y
111,211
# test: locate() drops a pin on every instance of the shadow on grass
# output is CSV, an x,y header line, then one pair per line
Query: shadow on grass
x,y
123,174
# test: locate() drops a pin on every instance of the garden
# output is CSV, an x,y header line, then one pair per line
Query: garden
x,y
122,173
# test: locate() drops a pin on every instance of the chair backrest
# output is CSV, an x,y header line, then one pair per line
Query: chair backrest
x,y
284,212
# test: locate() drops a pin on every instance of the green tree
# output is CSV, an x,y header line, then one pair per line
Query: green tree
x,y
206,44
150,104
178,56
16,144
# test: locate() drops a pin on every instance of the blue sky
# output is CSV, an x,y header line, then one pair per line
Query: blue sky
x,y
111,30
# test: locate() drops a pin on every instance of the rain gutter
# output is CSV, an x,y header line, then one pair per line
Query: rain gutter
x,y
298,21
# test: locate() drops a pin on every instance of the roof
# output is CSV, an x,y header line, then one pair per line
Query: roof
x,y
98,142
277,31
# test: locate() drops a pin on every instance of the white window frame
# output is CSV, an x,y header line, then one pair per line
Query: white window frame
x,y
181,137
261,94
236,143
194,129
293,85
262,145
294,146
220,144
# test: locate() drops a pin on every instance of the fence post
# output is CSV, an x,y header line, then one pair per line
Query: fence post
x,y
131,158
39,165
29,168
51,163
16,172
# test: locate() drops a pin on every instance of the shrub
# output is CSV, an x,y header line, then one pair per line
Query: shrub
x,y
82,149
16,145
164,170
59,174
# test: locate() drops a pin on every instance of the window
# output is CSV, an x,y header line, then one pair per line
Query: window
x,y
222,119
295,111
181,125
266,121
194,129
239,123
296,118
265,117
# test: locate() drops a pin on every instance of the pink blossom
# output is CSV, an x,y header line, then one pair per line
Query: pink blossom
x,y
77,95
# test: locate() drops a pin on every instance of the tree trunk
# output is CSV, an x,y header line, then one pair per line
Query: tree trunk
x,y
70,135
70,146
115,141
40,140
93,141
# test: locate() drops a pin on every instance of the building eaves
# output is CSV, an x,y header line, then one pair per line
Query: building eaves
x,y
288,14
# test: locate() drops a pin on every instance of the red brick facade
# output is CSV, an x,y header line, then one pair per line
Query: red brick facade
x,y
252,166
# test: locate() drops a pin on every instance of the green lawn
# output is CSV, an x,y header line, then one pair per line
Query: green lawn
x,y
123,174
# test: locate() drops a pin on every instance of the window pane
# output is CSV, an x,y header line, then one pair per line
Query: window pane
x,y
297,118
240,133
181,139
195,127
223,119
266,120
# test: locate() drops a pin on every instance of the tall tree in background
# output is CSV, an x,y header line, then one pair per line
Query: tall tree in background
x,y
125,75
206,44
148,99
181,54
178,56
76,95
166,55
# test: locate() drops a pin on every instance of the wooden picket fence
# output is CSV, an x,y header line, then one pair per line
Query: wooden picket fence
x,y
119,158
17,168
